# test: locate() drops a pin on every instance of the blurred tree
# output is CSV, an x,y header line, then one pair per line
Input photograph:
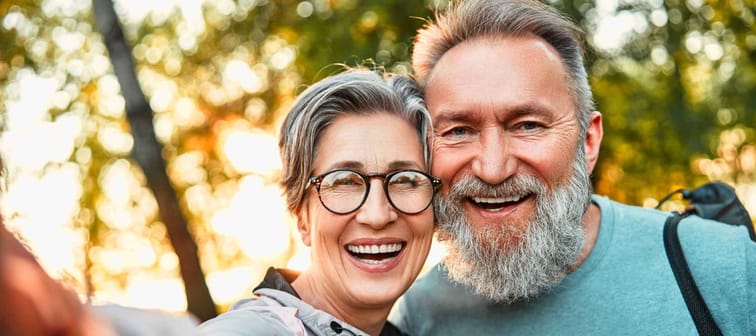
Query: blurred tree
x,y
230,66
147,152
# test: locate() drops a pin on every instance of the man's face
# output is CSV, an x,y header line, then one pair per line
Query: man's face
x,y
502,108
507,146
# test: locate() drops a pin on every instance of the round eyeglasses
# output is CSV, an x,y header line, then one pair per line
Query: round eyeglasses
x,y
343,191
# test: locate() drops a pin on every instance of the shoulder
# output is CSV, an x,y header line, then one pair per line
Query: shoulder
x,y
620,212
694,227
629,226
134,321
408,307
261,316
432,297
717,246
722,260
430,284
721,246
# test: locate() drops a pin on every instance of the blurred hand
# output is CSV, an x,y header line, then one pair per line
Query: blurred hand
x,y
35,304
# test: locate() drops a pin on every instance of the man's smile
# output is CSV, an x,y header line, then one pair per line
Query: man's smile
x,y
497,203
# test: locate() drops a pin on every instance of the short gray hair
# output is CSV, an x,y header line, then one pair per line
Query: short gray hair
x,y
466,20
356,91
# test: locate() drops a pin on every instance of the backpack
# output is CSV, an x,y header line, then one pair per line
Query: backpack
x,y
713,200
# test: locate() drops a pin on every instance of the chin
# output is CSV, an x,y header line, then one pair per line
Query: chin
x,y
378,298
382,293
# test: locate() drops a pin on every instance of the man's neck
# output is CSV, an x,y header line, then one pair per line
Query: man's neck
x,y
591,225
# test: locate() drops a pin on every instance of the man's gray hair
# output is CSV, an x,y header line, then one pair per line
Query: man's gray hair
x,y
357,92
475,19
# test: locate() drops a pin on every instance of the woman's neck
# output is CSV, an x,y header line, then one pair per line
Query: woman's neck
x,y
369,319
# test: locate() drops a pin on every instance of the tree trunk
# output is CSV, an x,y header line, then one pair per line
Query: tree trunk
x,y
147,152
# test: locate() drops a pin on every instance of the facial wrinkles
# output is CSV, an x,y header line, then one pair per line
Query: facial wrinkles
x,y
328,300
489,263
542,67
329,282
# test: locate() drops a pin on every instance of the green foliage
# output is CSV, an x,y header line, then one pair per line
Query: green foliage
x,y
354,31
679,81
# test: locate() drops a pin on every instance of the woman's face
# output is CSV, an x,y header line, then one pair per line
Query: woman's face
x,y
375,143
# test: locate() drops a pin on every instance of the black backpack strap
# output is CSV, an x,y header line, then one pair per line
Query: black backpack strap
x,y
696,306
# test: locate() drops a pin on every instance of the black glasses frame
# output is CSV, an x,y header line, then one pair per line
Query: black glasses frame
x,y
316,180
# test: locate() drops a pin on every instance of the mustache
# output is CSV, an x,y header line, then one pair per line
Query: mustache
x,y
517,185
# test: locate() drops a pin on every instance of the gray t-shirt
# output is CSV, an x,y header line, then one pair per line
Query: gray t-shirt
x,y
624,287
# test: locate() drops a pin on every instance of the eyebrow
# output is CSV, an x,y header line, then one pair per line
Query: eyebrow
x,y
345,164
455,116
450,116
395,165
357,165
530,108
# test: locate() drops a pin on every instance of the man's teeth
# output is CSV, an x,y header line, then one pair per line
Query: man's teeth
x,y
496,200
374,249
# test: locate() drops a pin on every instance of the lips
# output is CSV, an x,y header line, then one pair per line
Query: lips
x,y
375,254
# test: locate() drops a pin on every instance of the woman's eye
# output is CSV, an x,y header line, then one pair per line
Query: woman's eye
x,y
404,180
347,181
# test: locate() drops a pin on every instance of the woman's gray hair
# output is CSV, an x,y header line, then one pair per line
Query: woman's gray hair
x,y
475,19
356,91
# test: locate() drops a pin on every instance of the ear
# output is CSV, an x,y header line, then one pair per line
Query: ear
x,y
303,226
593,136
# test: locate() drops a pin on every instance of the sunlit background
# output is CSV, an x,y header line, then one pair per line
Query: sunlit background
x,y
219,84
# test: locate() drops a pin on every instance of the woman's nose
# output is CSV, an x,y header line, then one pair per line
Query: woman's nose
x,y
377,211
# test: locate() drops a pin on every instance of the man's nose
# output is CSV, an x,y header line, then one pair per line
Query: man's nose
x,y
377,211
494,162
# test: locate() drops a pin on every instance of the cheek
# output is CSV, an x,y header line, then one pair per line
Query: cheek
x,y
554,162
447,163
327,228
422,223
422,227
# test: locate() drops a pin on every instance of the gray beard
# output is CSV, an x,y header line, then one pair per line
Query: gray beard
x,y
497,264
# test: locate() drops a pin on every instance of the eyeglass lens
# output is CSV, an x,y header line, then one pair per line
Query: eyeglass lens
x,y
343,191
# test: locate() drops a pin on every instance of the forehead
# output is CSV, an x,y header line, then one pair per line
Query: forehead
x,y
509,51
512,71
374,142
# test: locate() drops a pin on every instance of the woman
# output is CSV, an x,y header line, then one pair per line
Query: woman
x,y
355,155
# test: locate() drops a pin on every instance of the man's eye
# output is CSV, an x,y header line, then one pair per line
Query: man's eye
x,y
529,126
457,131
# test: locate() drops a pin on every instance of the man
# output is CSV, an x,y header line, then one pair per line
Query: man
x,y
530,249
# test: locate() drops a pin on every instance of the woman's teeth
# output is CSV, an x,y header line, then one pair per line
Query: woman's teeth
x,y
374,249
375,254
